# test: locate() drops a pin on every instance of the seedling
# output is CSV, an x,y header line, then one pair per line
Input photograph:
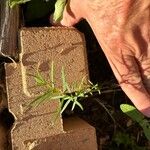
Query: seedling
x,y
13,3
59,7
69,94
125,141
136,116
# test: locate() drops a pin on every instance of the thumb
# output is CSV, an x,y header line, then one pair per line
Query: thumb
x,y
71,14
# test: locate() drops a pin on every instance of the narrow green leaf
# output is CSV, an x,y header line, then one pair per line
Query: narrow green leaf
x,y
59,8
40,81
73,106
146,128
132,112
65,84
77,103
57,97
81,83
74,103
65,106
81,94
13,3
66,97
62,103
63,79
40,99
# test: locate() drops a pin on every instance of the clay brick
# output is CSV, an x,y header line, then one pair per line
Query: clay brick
x,y
39,47
79,136
66,47
34,127
18,97
35,122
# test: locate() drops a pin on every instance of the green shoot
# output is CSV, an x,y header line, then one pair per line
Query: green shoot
x,y
69,94
64,83
136,116
13,3
126,141
59,7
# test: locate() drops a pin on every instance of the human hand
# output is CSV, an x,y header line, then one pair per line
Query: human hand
x,y
122,28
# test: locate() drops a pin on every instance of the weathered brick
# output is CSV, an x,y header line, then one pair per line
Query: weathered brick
x,y
17,97
66,47
39,47
33,127
78,135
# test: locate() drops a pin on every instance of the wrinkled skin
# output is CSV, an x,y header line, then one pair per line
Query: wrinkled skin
x,y
122,28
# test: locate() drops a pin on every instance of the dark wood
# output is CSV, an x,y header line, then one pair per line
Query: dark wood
x,y
9,25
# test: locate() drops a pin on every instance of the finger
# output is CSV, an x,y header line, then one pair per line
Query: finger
x,y
71,15
145,71
127,72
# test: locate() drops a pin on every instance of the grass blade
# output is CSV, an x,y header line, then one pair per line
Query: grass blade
x,y
77,103
74,103
13,3
132,112
57,97
81,83
65,106
40,81
40,99
65,84
136,116
146,128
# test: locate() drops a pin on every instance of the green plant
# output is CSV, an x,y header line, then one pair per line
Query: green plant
x,y
136,116
13,3
125,141
69,94
59,7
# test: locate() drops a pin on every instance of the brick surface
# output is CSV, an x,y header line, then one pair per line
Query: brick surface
x,y
79,136
39,47
18,97
66,47
34,127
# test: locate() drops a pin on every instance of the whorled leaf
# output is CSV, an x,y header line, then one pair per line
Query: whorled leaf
x,y
40,81
65,106
66,94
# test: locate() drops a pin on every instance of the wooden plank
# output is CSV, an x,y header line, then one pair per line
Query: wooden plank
x,y
9,25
